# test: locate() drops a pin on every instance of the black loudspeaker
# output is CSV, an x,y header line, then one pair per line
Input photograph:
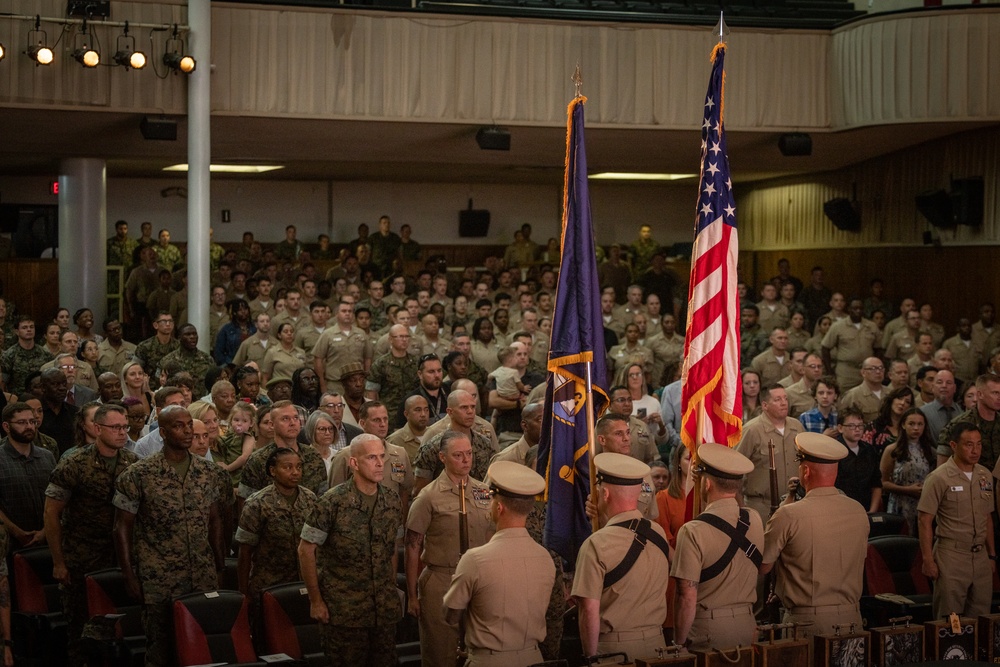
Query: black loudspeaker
x,y
936,207
474,223
842,214
493,139
967,201
795,145
158,129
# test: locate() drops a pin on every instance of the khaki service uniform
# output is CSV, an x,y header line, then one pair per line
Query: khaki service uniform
x,y
770,368
337,348
853,344
753,445
862,398
962,509
434,514
633,609
800,399
253,349
818,546
505,585
724,616
407,439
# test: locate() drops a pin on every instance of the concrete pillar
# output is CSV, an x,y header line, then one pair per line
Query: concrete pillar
x,y
199,161
82,234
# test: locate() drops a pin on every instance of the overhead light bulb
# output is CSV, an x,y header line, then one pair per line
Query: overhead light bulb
x,y
3,51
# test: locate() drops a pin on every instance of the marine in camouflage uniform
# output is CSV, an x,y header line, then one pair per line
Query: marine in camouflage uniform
x,y
379,319
17,364
254,476
428,465
169,257
190,358
356,535
121,252
84,483
392,378
172,550
270,525
150,352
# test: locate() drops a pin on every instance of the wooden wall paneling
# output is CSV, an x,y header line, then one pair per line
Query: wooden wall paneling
x,y
32,285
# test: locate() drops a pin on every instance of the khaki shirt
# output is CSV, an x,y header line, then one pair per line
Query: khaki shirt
x,y
819,545
700,545
800,399
406,439
854,344
960,506
113,359
280,363
337,348
434,514
901,346
505,585
639,600
771,370
769,320
862,398
252,349
753,445
966,357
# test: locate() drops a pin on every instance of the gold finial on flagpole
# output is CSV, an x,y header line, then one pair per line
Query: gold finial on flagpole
x,y
578,80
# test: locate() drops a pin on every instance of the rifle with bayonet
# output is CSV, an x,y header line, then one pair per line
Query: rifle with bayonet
x,y
771,612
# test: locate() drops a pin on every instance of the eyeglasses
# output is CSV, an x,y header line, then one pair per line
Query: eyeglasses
x,y
621,399
324,429
22,422
66,367
635,375
114,427
428,357
815,367
853,425
873,368
333,406
163,322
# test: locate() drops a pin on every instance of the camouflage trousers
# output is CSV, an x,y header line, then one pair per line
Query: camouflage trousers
x,y
74,604
157,621
373,646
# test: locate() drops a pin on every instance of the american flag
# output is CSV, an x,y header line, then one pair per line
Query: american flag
x,y
711,390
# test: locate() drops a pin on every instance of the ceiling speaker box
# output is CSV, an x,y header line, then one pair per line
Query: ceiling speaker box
x,y
158,129
493,139
843,214
967,201
796,144
473,223
936,207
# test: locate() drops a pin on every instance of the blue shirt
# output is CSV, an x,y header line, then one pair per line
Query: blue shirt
x,y
814,421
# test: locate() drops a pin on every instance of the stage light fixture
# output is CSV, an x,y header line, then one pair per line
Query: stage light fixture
x,y
84,53
87,56
37,50
125,53
3,51
177,59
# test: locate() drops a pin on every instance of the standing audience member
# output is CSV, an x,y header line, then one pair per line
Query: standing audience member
x,y
79,516
24,474
956,528
905,465
169,530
